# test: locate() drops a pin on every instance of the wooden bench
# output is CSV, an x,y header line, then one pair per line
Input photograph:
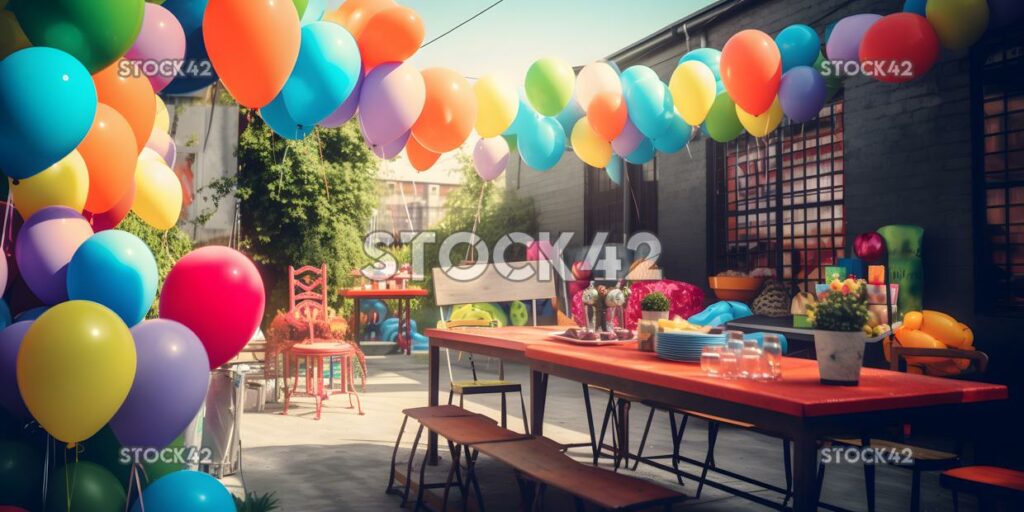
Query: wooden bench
x,y
991,484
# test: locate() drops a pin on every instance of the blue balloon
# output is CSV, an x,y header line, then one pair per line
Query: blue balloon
x,y
802,93
542,147
325,73
116,269
569,115
5,315
186,490
614,170
915,6
315,10
277,118
526,118
642,154
647,99
710,57
675,137
196,72
31,314
47,104
799,46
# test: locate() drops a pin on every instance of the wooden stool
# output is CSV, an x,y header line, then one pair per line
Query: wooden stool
x,y
314,355
991,484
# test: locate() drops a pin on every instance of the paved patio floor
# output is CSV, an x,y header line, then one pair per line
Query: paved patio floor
x,y
341,462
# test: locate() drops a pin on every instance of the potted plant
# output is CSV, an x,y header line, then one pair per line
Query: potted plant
x,y
839,338
653,307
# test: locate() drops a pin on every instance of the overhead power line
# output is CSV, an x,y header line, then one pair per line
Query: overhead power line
x,y
456,27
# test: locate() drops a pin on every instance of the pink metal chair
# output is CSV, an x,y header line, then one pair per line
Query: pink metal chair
x,y
308,302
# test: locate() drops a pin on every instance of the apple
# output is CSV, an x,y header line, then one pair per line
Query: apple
x,y
869,247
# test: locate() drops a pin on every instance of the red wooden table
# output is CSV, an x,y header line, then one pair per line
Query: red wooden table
x,y
402,298
798,408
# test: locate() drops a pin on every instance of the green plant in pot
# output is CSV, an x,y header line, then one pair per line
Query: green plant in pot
x,y
653,307
839,339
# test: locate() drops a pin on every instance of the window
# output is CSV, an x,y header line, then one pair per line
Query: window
x,y
778,202
998,120
603,206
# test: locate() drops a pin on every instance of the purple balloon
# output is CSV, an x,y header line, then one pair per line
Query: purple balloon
x,y
628,140
490,157
347,109
844,41
161,42
44,247
164,145
389,150
391,101
10,343
802,93
170,385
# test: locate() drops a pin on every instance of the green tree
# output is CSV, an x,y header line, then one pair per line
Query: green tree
x,y
167,247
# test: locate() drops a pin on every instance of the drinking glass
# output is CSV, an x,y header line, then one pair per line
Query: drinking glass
x,y
750,360
772,357
711,359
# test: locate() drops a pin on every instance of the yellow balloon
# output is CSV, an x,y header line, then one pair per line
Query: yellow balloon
x,y
693,91
958,23
761,125
497,106
65,183
589,146
75,368
12,38
163,118
158,194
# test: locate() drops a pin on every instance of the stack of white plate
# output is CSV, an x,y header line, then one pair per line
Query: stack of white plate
x,y
685,346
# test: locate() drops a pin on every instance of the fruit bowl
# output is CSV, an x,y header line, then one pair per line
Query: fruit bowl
x,y
742,289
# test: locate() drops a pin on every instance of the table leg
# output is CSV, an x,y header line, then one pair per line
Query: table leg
x,y
538,397
805,473
408,325
433,388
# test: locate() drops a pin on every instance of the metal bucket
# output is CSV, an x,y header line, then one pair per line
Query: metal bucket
x,y
216,431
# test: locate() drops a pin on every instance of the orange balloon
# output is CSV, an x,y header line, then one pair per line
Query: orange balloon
x,y
607,114
392,35
420,157
109,151
253,45
354,15
449,113
751,68
132,97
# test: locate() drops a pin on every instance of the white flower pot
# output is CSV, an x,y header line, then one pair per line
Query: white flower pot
x,y
647,329
654,315
840,356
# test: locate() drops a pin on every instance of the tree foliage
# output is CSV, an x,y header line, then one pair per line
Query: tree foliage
x,y
167,247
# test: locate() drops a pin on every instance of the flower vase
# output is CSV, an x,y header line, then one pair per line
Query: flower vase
x,y
840,356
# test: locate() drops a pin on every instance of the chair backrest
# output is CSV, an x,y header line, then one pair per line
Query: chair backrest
x,y
491,286
307,292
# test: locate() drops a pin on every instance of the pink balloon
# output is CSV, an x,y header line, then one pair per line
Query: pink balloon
x,y
347,110
391,101
164,146
159,47
3,274
490,157
44,247
628,140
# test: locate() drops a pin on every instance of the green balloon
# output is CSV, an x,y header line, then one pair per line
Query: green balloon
x,y
93,489
21,475
549,85
833,80
300,5
95,33
105,450
513,142
722,123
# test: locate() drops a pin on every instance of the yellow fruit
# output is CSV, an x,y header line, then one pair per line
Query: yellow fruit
x,y
919,339
968,337
887,348
946,368
944,328
912,320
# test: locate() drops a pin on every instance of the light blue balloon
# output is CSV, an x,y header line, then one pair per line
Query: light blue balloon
x,y
325,73
799,46
315,10
675,137
116,269
5,315
647,99
31,314
614,170
186,490
569,115
526,118
642,154
544,146
47,104
277,118
710,57
915,6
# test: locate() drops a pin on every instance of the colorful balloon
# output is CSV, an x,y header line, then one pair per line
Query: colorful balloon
x,y
900,48
158,193
526,118
799,46
278,119
132,97
843,43
160,44
569,116
589,146
711,58
607,115
497,106
170,388
722,124
253,45
196,71
490,157
420,157
92,487
163,145
693,90
10,343
542,147
958,23
549,85
449,112
915,6
833,79
391,101
647,100
389,150
347,110
614,170
162,121
325,73
391,35
751,70
761,125
802,93
354,15
675,137
46,243
185,490
109,152
12,38
643,153
48,102
75,368
65,183
114,257
110,219
227,314
97,34
628,140
596,78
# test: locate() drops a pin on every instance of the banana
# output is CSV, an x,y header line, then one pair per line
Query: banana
x,y
943,328
919,339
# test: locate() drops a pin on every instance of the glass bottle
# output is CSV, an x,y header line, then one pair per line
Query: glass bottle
x,y
750,360
772,357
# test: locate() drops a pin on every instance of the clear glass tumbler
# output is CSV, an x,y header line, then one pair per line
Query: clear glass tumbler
x,y
750,360
711,359
772,357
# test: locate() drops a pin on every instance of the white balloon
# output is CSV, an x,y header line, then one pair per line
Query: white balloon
x,y
595,78
490,157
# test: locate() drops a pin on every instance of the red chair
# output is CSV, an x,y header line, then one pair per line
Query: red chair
x,y
990,484
308,302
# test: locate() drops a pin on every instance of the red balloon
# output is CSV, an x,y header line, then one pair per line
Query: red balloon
x,y
218,293
607,114
449,112
899,48
391,35
869,247
420,157
751,68
111,218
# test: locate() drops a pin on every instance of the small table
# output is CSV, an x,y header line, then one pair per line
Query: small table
x,y
403,297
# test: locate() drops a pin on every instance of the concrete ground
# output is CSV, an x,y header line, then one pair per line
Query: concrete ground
x,y
340,463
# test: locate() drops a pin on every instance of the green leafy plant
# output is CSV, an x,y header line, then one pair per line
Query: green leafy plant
x,y
167,247
257,502
655,301
845,310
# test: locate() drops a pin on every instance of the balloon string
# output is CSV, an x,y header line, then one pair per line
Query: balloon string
x,y
136,482
8,212
401,191
320,149
476,221
48,452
